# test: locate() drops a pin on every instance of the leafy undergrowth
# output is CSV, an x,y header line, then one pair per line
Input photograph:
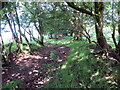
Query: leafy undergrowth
x,y
11,85
83,70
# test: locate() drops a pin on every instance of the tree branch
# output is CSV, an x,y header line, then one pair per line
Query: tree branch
x,y
71,4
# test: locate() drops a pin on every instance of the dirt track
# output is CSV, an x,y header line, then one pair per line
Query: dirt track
x,y
33,69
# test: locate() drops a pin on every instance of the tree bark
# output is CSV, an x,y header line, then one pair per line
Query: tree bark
x,y
39,29
99,8
71,4
118,46
14,36
2,43
113,26
77,26
98,16
21,34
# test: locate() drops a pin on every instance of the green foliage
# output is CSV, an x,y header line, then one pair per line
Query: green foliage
x,y
53,55
68,38
14,47
83,70
35,46
1,12
11,85
60,42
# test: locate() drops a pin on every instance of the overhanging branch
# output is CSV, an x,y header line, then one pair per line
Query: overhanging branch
x,y
71,4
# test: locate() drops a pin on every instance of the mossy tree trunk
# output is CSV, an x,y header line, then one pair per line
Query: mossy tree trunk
x,y
99,8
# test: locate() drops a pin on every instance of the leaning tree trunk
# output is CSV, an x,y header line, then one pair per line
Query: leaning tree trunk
x,y
99,8
118,47
12,30
21,34
39,30
19,30
2,43
113,26
0,50
1,38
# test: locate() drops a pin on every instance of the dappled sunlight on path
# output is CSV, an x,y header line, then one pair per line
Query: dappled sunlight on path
x,y
33,69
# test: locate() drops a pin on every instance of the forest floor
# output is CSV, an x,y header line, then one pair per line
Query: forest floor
x,y
63,64
33,70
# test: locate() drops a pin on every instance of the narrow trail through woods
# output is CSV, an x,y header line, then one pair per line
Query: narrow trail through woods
x,y
33,70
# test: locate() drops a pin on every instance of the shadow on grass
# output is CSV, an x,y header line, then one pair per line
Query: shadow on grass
x,y
83,70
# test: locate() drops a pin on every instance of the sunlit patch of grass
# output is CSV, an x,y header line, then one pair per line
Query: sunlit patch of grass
x,y
111,44
14,47
35,46
60,42
83,70
69,38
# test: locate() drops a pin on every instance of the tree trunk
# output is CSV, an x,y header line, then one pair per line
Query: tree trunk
x,y
2,43
71,33
77,31
41,39
14,36
99,8
113,26
1,38
21,34
0,50
9,53
19,29
50,35
98,16
118,46
40,32
77,26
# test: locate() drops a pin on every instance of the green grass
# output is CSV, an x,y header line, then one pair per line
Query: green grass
x,y
53,55
83,70
12,85
34,46
14,47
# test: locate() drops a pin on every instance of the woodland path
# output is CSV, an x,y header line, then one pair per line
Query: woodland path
x,y
33,70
